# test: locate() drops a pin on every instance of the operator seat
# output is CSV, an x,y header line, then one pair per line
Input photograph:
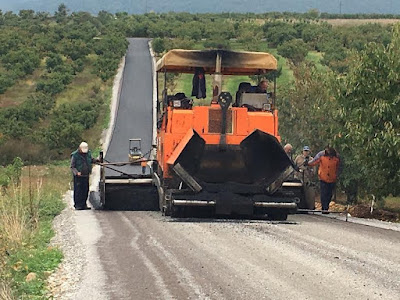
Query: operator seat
x,y
244,87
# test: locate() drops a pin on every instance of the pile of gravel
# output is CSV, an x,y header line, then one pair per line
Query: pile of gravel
x,y
63,283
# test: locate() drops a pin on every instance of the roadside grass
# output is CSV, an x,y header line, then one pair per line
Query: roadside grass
x,y
27,211
392,203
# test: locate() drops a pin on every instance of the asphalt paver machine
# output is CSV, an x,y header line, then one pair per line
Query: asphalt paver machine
x,y
224,158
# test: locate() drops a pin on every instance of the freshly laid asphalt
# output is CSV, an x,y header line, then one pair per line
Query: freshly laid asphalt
x,y
134,114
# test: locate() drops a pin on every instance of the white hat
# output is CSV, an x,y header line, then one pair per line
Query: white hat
x,y
84,147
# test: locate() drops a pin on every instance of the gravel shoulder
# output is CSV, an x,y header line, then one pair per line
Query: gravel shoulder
x,y
72,235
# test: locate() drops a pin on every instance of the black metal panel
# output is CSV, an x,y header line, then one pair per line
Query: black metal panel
x,y
131,197
191,156
263,154
229,203
259,159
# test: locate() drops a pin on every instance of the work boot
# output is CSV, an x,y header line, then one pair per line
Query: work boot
x,y
82,208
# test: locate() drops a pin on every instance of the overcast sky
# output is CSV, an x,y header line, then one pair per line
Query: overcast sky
x,y
141,6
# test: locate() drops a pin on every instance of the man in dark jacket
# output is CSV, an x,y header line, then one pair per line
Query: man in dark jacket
x,y
81,167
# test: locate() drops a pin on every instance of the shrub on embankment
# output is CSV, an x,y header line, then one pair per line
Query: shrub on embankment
x,y
30,198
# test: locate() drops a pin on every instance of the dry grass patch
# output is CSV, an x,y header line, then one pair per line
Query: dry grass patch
x,y
13,221
5,291
81,88
357,22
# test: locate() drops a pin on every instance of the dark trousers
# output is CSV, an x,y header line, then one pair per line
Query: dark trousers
x,y
81,191
326,193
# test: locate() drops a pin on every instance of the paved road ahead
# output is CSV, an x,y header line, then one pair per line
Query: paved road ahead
x,y
134,116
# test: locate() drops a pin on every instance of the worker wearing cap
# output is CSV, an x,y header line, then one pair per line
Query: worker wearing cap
x,y
81,167
306,173
329,169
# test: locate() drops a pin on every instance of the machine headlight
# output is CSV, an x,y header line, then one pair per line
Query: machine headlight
x,y
266,106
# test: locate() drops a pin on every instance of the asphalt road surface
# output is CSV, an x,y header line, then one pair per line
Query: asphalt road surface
x,y
134,115
147,256
143,255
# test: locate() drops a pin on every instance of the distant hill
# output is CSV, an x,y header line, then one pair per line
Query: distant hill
x,y
195,6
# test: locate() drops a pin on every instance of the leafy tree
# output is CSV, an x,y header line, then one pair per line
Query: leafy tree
x,y
307,108
158,45
6,81
78,66
312,14
295,50
111,44
62,134
250,38
216,42
55,82
19,121
105,17
105,67
336,59
68,123
27,14
53,61
74,48
61,13
23,61
278,32
370,108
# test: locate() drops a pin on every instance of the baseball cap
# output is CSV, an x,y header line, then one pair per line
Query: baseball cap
x,y
84,147
306,148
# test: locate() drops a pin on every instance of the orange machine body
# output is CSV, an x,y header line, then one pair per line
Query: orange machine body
x,y
179,123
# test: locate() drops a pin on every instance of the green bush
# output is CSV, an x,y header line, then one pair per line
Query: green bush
x,y
295,50
6,81
24,61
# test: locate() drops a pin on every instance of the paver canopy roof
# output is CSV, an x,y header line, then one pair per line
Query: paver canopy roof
x,y
233,62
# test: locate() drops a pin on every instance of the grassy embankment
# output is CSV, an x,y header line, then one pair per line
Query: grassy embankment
x,y
27,210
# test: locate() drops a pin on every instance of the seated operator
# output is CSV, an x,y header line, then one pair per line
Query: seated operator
x,y
262,87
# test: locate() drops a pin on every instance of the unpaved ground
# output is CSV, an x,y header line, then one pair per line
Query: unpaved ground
x,y
147,256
